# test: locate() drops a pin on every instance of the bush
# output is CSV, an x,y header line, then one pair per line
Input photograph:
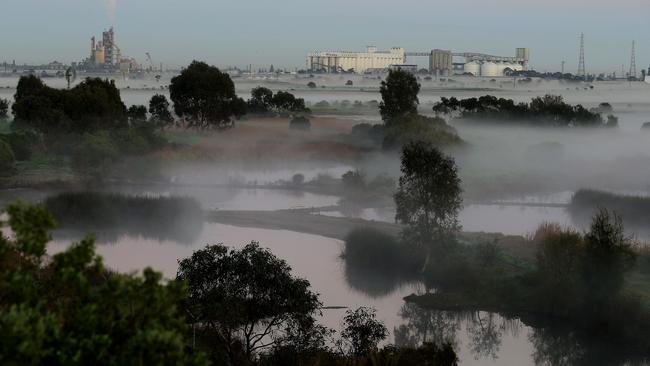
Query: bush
x,y
415,127
164,218
95,155
373,249
300,123
4,109
298,179
20,143
353,179
311,85
7,160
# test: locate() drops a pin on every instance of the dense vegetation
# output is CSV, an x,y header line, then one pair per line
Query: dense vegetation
x,y
92,105
204,97
264,102
546,111
112,215
87,127
428,199
227,307
402,124
573,278
71,310
635,210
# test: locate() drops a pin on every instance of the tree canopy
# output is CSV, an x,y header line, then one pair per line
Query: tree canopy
x,y
4,109
549,110
429,195
246,296
363,331
399,93
91,105
204,97
159,110
71,310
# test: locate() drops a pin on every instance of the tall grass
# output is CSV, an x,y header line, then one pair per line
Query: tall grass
x,y
111,215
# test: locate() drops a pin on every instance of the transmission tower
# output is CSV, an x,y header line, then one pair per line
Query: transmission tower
x,y
633,62
581,62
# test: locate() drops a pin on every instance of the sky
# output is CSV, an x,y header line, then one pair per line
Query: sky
x,y
281,32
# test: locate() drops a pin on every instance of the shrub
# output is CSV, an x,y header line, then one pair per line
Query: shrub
x,y
353,179
7,160
414,128
20,143
373,249
311,85
300,123
163,218
4,109
298,179
95,155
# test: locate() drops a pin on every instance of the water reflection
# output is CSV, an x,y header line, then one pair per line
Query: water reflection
x,y
426,325
375,282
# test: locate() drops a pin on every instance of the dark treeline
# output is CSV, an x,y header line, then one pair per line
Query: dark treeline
x,y
225,307
109,216
264,102
546,111
635,210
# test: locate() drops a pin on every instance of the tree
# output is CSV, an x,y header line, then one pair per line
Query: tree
x,y
137,114
261,100
70,310
285,101
608,255
91,105
363,331
353,179
429,196
4,109
205,97
246,297
159,110
399,93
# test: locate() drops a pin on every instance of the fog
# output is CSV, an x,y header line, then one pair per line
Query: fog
x,y
514,179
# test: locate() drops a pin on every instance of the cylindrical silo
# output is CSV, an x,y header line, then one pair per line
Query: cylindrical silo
x,y
472,68
490,69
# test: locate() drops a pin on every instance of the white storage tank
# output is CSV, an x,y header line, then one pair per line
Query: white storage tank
x,y
472,68
490,69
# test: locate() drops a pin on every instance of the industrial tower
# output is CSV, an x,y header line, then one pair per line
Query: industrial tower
x,y
633,63
581,62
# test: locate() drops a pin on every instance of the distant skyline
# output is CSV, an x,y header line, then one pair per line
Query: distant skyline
x,y
281,33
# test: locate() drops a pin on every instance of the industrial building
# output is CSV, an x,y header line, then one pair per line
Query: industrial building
x,y
359,62
105,54
441,62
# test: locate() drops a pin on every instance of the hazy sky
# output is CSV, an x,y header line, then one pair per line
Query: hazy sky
x,y
263,32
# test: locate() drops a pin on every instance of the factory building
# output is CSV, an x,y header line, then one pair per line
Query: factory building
x,y
359,62
106,54
441,62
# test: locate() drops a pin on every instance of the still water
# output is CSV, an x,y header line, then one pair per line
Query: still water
x,y
480,339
